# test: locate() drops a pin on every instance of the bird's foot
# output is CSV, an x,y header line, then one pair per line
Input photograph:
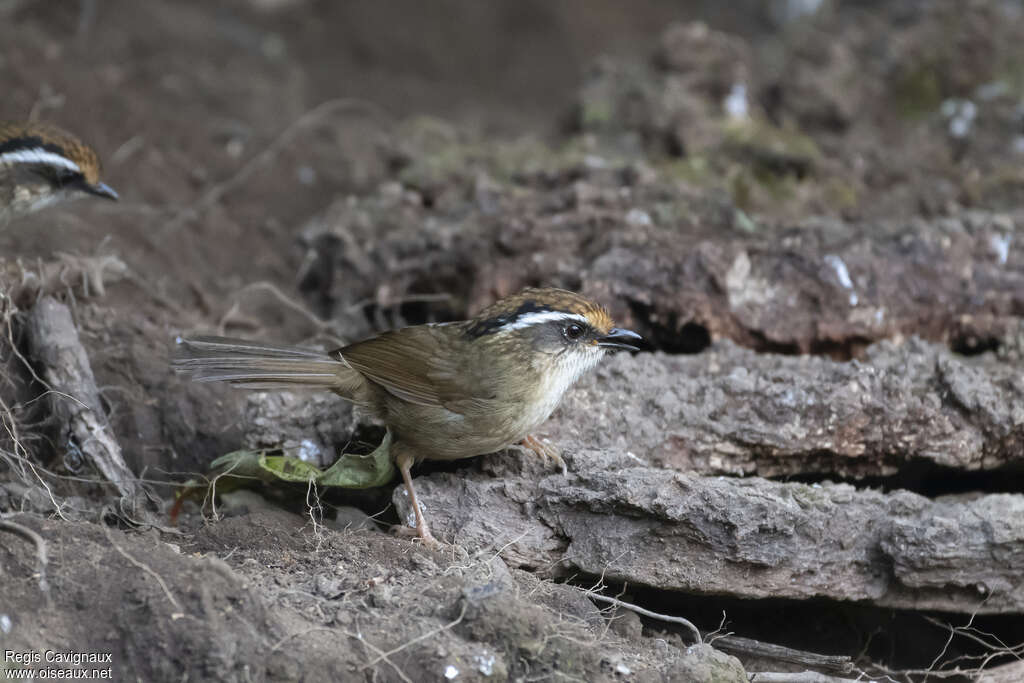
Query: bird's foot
x,y
545,450
404,462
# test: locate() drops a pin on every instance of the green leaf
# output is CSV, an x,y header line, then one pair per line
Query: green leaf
x,y
362,471
232,470
350,471
289,468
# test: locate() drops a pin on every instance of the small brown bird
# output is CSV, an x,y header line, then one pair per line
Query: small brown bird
x,y
445,390
41,165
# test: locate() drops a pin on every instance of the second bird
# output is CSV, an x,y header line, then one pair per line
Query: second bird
x,y
445,390
42,165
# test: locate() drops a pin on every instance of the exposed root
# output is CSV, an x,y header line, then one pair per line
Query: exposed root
x,y
429,634
801,677
234,316
146,568
381,655
214,194
208,487
42,559
647,613
315,510
68,273
748,647
965,666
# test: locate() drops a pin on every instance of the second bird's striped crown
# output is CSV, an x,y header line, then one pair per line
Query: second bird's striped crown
x,y
53,153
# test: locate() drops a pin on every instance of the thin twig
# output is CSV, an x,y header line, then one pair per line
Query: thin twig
x,y
647,613
316,512
144,567
837,664
24,461
41,555
876,669
320,324
428,634
382,656
215,193
305,632
801,677
953,631
359,637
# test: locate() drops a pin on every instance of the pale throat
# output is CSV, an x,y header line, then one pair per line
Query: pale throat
x,y
565,372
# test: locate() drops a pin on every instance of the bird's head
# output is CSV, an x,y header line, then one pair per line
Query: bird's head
x,y
47,165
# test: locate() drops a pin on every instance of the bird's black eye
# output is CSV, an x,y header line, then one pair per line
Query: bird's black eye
x,y
573,331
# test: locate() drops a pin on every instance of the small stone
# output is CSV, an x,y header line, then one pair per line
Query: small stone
x,y
638,218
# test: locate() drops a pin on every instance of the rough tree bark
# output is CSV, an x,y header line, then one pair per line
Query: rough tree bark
x,y
751,538
732,411
74,397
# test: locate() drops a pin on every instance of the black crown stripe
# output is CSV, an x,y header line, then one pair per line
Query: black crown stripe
x,y
492,325
30,142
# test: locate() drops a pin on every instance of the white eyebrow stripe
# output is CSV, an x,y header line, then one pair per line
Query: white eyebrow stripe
x,y
38,155
535,318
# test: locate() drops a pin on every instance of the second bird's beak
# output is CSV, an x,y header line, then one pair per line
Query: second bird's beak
x,y
101,190
621,339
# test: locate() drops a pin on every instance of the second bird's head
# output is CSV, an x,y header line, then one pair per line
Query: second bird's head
x,y
42,165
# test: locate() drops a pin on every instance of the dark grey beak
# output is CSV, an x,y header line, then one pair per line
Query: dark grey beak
x,y
100,190
621,339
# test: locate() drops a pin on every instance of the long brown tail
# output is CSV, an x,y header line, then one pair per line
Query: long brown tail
x,y
256,365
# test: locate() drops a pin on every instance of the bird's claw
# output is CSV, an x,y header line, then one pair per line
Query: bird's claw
x,y
545,451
